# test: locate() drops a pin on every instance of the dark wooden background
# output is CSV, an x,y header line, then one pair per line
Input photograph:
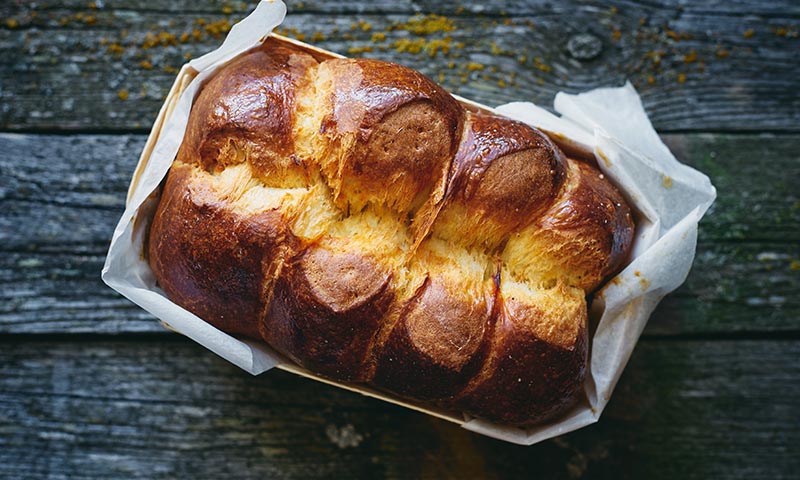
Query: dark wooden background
x,y
93,387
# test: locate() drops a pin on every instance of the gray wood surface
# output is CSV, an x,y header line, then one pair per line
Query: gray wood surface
x,y
169,409
91,386
714,65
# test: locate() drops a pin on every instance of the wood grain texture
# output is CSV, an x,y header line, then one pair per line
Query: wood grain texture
x,y
166,409
781,8
713,65
61,196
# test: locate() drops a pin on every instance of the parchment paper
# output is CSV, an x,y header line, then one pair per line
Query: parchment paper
x,y
669,199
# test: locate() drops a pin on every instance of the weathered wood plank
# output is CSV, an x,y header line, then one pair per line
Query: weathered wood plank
x,y
63,293
62,192
171,409
713,65
49,227
90,171
756,177
61,196
779,8
734,288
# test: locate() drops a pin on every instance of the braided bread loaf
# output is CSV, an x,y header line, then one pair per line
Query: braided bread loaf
x,y
356,217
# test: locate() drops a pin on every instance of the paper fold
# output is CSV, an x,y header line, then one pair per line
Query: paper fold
x,y
610,123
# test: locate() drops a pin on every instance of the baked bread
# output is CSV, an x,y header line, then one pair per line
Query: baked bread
x,y
361,221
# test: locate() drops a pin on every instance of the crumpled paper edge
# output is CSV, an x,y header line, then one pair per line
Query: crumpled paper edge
x,y
610,123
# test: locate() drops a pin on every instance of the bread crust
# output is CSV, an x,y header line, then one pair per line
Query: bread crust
x,y
210,260
438,344
357,218
527,379
327,306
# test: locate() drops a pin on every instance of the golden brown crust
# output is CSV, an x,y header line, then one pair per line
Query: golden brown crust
x,y
213,262
326,308
595,209
527,380
505,174
354,216
439,342
245,112
394,133
583,237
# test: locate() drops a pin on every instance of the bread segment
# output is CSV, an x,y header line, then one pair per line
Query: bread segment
x,y
326,307
537,358
212,260
504,175
245,113
582,238
357,218
438,338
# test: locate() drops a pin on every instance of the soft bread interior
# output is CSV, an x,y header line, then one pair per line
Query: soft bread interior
x,y
555,312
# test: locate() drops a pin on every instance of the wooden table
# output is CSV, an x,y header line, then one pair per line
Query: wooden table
x,y
93,387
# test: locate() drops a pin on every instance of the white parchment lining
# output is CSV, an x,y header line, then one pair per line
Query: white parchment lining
x,y
610,123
